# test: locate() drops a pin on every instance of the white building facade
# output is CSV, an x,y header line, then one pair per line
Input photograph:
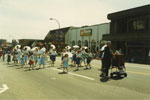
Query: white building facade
x,y
90,36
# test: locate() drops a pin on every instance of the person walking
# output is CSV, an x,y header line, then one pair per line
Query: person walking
x,y
26,54
73,51
106,60
31,62
4,52
78,59
89,59
65,63
53,56
22,61
83,56
8,57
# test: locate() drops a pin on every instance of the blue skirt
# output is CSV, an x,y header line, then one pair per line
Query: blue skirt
x,y
66,64
35,58
83,58
19,56
39,61
43,60
22,62
26,58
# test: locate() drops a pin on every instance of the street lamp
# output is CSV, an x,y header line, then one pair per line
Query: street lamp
x,y
58,29
56,21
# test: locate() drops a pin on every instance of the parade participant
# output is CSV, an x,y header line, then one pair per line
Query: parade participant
x,y
50,51
65,63
31,62
83,53
73,51
107,59
78,59
15,53
43,59
8,57
53,56
62,56
19,54
39,60
26,54
35,56
22,61
89,59
3,53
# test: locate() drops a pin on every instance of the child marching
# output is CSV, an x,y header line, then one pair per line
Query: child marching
x,y
22,61
65,63
78,59
8,57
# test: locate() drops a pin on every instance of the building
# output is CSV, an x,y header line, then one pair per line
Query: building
x,y
58,37
90,36
2,42
130,30
29,42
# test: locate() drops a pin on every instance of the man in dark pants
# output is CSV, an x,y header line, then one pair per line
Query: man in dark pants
x,y
106,59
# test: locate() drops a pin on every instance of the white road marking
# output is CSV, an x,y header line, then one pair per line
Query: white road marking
x,y
4,88
53,78
75,74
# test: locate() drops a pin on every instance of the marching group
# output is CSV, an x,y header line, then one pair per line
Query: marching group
x,y
37,57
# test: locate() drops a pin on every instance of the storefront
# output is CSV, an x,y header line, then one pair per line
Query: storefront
x,y
130,30
89,36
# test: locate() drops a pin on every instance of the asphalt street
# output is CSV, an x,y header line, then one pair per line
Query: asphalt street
x,y
50,84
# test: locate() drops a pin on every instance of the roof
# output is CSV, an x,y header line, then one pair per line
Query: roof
x,y
138,11
63,30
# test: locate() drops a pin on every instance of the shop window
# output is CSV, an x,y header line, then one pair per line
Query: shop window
x,y
137,25
86,43
73,43
93,46
79,43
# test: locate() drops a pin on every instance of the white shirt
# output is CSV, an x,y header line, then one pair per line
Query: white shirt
x,y
78,55
149,53
53,53
73,52
90,55
65,59
83,52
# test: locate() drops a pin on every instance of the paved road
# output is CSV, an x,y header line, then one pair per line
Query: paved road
x,y
48,84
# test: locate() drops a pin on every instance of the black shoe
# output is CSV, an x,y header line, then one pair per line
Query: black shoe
x,y
86,68
76,70
102,75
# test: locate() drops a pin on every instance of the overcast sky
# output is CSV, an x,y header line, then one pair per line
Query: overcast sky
x,y
29,19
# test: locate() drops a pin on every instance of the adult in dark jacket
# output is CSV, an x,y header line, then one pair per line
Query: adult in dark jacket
x,y
107,59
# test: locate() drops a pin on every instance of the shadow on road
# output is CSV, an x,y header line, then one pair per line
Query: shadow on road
x,y
117,78
62,73
104,79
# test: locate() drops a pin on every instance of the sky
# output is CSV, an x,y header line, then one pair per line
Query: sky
x,y
29,19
